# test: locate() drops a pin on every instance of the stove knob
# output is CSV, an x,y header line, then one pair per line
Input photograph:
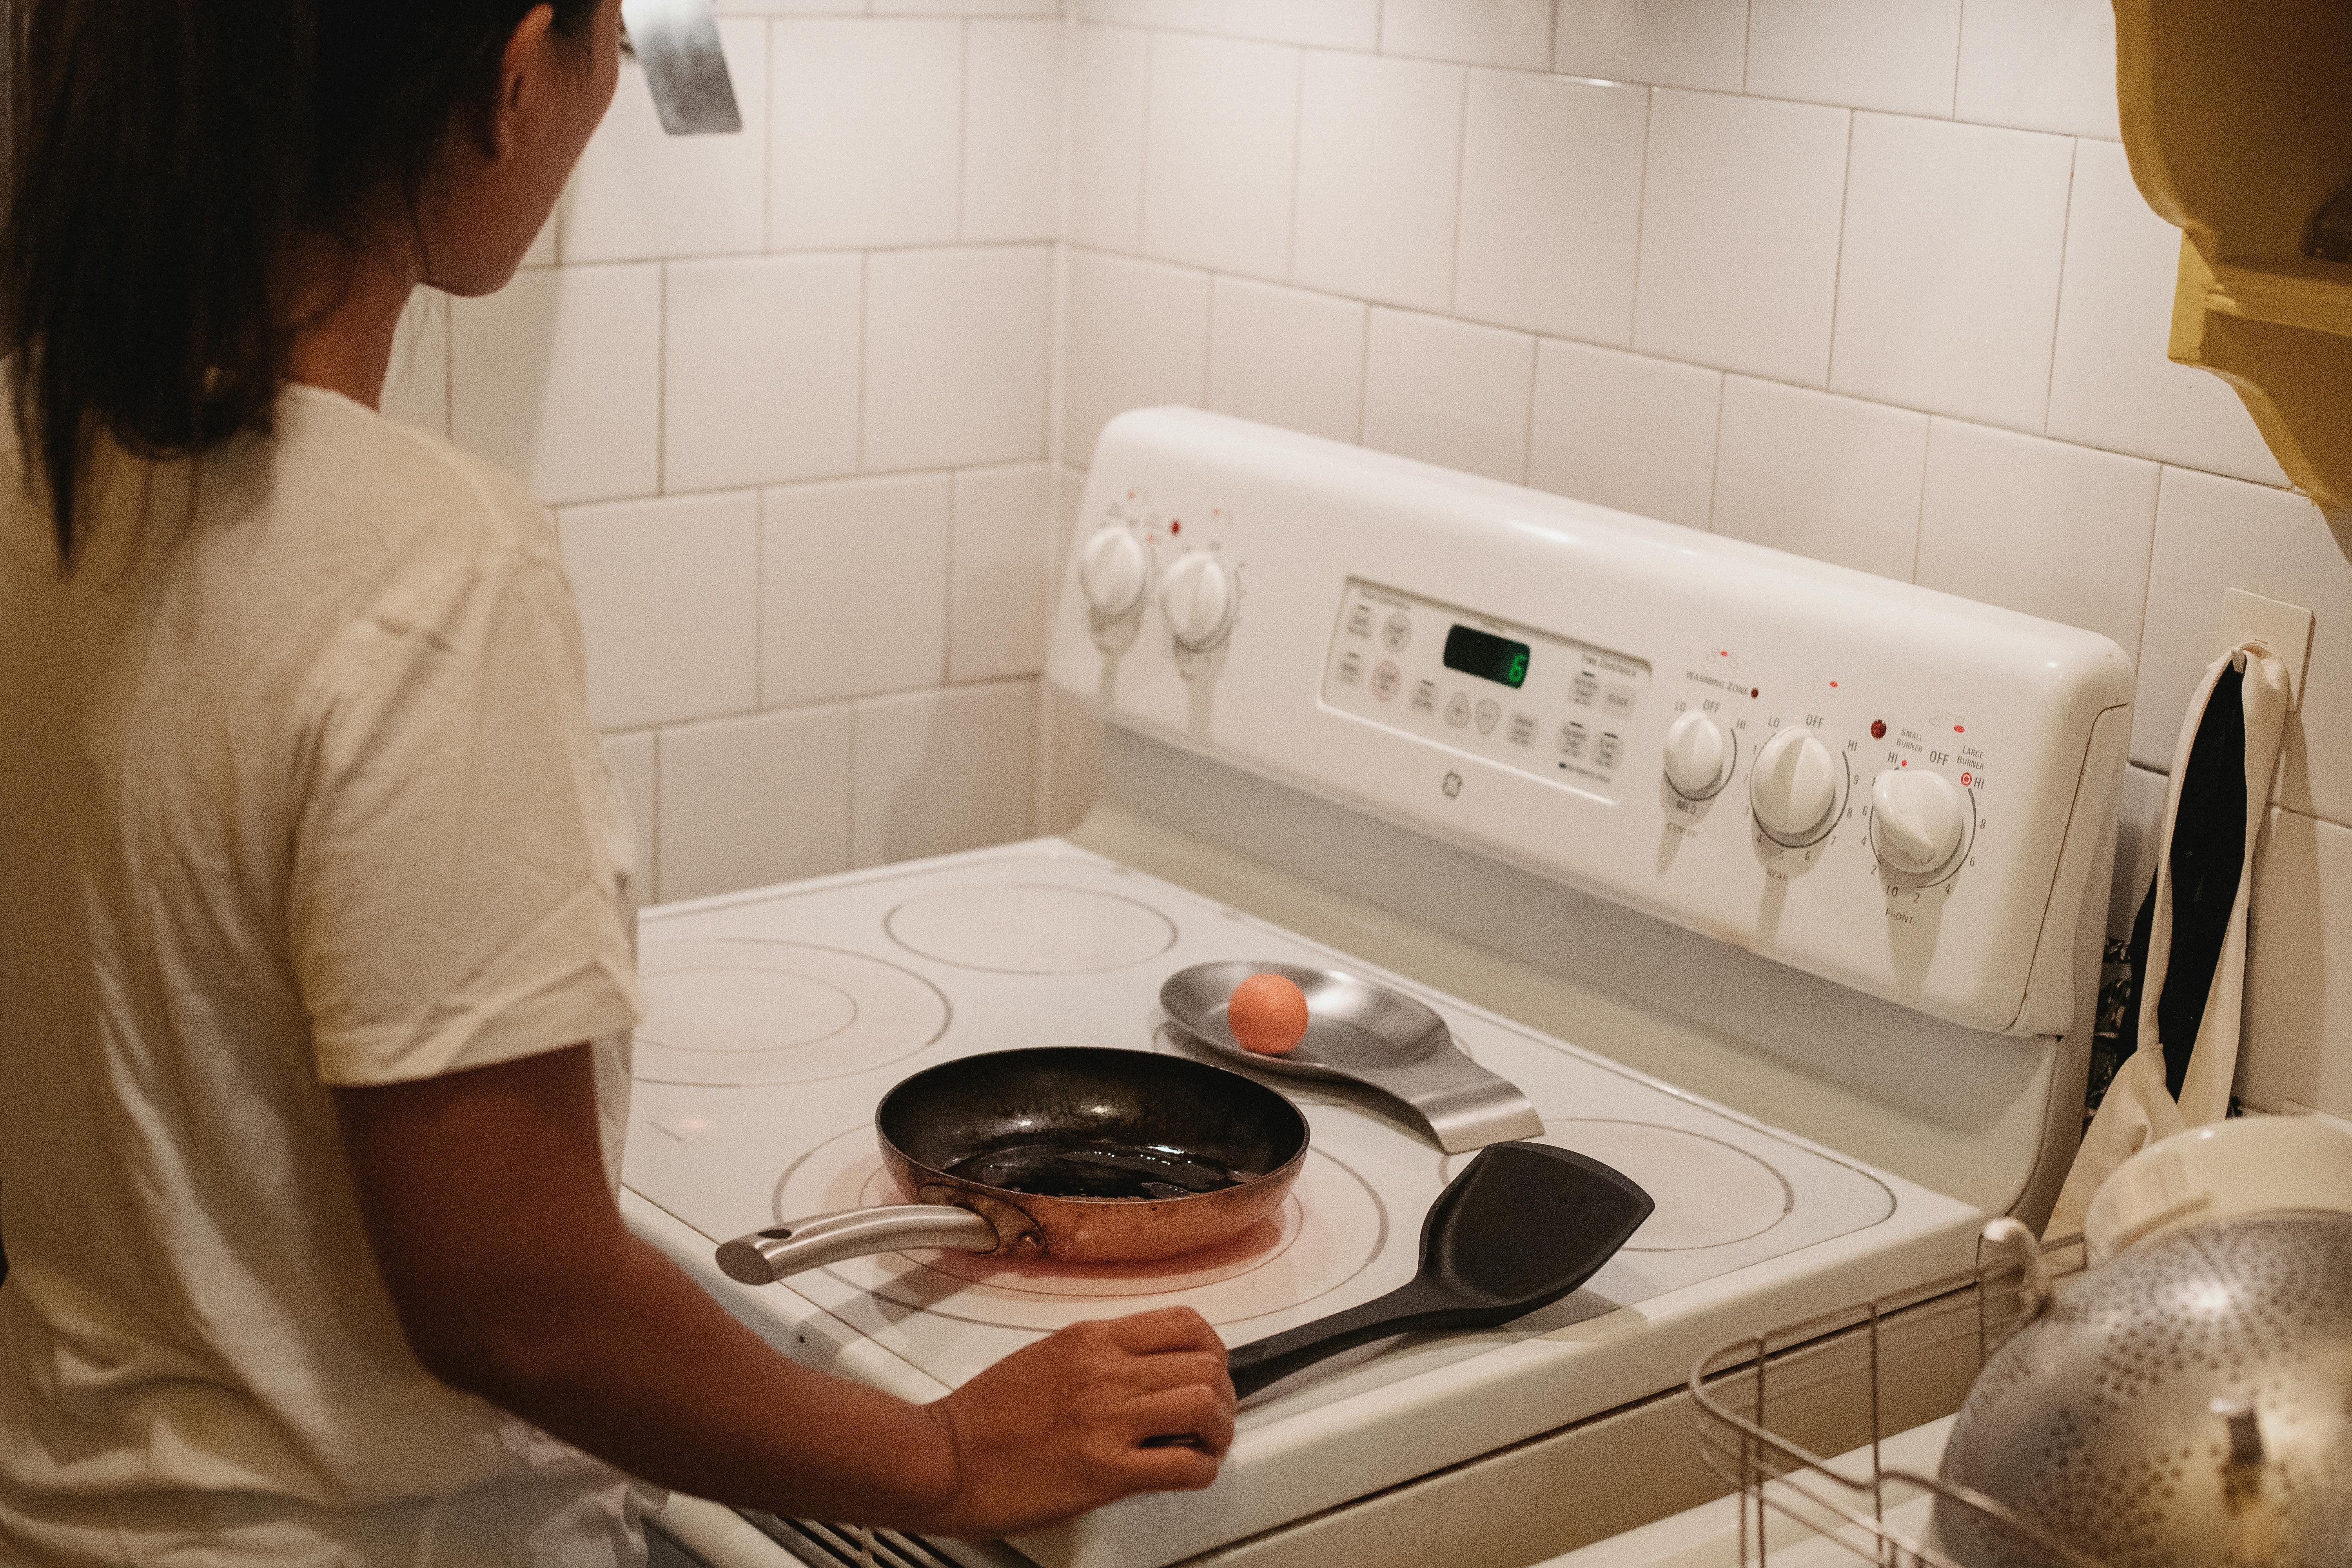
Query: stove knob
x,y
1916,820
1699,757
1114,569
1794,788
1198,598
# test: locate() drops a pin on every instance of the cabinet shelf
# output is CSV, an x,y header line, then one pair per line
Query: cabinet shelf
x,y
2237,116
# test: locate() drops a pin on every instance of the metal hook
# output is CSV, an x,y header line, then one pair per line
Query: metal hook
x,y
2035,1293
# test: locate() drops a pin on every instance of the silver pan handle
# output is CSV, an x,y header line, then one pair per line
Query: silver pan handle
x,y
765,1257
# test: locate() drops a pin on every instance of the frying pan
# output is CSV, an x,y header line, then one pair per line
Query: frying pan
x,y
1080,1155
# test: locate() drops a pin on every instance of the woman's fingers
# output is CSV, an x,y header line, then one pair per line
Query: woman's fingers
x,y
1191,1411
1177,1368
1168,1329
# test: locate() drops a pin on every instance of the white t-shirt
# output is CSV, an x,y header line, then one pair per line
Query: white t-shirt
x,y
298,789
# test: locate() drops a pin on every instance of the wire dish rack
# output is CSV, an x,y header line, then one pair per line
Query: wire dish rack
x,y
1881,1516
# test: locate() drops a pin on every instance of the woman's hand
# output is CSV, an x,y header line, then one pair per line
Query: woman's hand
x,y
1059,1428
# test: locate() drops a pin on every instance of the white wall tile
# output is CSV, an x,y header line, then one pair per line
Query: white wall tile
x,y
956,350
417,383
966,7
668,594
1107,104
1217,165
942,771
1625,430
1514,33
1073,753
1947,282
751,801
2039,64
1551,205
1288,357
1379,147
996,607
640,193
1331,24
2297,1039
1895,54
761,364
1014,73
2111,384
2054,531
2214,534
1740,233
790,7
852,588
1200,15
1139,336
865,146
542,251
629,757
1449,393
557,378
1819,475
1672,43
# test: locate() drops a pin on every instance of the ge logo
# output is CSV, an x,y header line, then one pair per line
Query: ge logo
x,y
1453,786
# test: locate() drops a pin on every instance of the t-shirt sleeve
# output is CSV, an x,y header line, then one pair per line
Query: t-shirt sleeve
x,y
455,899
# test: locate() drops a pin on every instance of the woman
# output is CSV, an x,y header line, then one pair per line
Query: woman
x,y
315,948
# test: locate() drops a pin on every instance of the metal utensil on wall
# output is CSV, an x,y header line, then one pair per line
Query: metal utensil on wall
x,y
677,42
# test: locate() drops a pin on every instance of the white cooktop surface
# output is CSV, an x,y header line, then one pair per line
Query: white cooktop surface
x,y
777,1020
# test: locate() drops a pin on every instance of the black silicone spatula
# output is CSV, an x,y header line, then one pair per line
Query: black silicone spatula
x,y
1523,1226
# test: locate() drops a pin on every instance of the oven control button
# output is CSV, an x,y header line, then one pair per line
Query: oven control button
x,y
1114,570
1795,787
1698,756
1197,598
1917,819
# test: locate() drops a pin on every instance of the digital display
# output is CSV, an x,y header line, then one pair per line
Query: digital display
x,y
1486,656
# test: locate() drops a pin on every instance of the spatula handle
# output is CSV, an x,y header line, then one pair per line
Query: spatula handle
x,y
1414,1305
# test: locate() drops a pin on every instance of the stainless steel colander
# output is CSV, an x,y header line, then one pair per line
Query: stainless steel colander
x,y
2187,1404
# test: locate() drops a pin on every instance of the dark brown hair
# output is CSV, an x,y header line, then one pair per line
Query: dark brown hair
x,y
167,152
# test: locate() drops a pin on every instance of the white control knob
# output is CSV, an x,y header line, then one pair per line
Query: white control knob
x,y
1698,756
1113,570
1916,819
1198,598
1794,788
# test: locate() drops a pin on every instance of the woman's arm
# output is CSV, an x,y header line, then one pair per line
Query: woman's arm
x,y
484,1195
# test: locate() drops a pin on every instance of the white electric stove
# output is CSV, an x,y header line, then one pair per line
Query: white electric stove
x,y
1776,887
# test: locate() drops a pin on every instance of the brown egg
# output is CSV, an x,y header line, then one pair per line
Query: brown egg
x,y
1267,1015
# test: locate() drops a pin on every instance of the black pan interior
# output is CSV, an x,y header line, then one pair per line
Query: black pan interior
x,y
960,1113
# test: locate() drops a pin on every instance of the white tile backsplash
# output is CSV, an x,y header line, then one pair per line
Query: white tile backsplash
x,y
1328,24
1895,54
2297,1048
2039,64
865,133
557,378
941,771
956,343
1625,430
998,552
1139,337
1013,79
1739,234
1514,33
669,607
852,588
1449,393
2055,530
1109,99
1288,357
1218,154
1832,477
640,193
417,389
756,352
1669,43
725,783
1379,145
2212,535
629,757
2111,384
1551,205
1948,282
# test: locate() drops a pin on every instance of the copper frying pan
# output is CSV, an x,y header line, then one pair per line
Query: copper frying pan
x,y
1075,1153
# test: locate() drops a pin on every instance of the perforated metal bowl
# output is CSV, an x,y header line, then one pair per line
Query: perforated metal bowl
x,y
2187,1404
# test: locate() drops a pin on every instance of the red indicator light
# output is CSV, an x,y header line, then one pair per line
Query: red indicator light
x,y
1959,730
1176,527
1878,729
1967,779
1752,691
1833,686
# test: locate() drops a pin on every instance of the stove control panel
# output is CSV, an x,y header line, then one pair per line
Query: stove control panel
x,y
1550,706
1899,790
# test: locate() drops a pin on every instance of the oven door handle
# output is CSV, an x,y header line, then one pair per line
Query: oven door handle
x,y
767,1256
